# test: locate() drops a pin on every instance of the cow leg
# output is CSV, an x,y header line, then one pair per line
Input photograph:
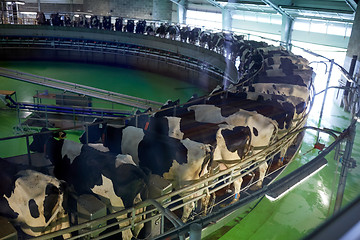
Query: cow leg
x,y
138,228
205,202
187,209
262,171
237,188
114,203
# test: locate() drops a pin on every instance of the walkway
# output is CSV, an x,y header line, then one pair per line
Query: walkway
x,y
81,89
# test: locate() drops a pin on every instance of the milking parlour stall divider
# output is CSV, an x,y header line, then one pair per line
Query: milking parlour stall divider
x,y
158,214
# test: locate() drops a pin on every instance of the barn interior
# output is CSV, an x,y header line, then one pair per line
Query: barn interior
x,y
62,76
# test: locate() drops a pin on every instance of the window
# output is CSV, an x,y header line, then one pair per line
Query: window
x,y
321,26
208,20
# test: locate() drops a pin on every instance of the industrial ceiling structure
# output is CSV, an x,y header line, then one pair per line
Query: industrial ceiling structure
x,y
334,10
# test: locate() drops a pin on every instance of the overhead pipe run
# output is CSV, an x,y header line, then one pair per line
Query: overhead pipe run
x,y
278,9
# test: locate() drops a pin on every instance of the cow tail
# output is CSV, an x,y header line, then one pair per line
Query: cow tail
x,y
208,160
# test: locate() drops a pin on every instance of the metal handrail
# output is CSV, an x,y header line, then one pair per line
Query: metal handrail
x,y
200,185
81,46
80,89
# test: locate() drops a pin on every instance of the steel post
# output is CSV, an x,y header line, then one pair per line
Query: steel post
x,y
195,231
28,150
345,167
323,103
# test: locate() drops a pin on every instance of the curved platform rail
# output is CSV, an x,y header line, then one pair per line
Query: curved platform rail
x,y
204,187
79,41
81,89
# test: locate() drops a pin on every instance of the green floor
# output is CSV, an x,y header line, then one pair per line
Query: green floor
x,y
131,82
301,210
291,217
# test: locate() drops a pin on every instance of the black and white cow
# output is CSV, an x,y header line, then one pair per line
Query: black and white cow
x,y
140,26
229,142
281,89
194,35
130,25
205,39
119,24
179,161
263,129
184,33
32,200
230,103
150,29
114,178
161,30
298,103
174,31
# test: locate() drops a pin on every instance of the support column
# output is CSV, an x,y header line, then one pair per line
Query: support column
x,y
351,62
39,5
182,11
226,20
286,31
162,10
3,11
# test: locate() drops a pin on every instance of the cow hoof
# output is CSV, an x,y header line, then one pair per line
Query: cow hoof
x,y
255,187
229,191
227,204
234,200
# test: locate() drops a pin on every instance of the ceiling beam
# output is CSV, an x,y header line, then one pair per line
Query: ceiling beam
x,y
177,2
278,9
352,4
216,4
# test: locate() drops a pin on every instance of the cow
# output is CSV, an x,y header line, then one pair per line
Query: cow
x,y
40,18
263,130
161,30
39,140
298,103
115,179
184,33
231,102
94,22
173,31
178,161
140,26
34,201
217,42
106,22
194,35
55,19
205,39
203,132
275,59
150,29
281,89
229,142
130,25
119,24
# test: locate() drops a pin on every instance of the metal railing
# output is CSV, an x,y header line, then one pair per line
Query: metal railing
x,y
80,89
250,163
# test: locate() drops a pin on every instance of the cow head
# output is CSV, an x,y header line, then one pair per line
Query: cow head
x,y
40,139
129,181
237,139
54,152
140,119
95,131
167,108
